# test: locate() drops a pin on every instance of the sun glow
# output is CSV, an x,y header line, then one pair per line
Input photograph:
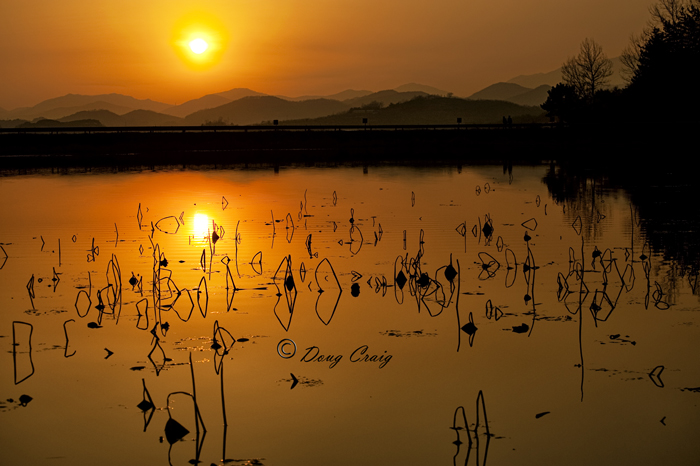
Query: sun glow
x,y
199,40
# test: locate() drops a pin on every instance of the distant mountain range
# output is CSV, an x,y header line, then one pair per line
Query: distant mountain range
x,y
344,95
242,106
255,109
133,118
431,109
71,103
210,101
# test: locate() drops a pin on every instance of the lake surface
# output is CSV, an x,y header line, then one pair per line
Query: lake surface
x,y
347,315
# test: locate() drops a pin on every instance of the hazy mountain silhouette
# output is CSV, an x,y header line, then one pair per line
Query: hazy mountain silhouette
x,y
210,101
387,97
60,112
191,106
238,93
421,109
105,117
499,91
221,98
552,78
48,123
14,123
74,100
432,110
532,81
512,92
256,109
357,96
72,103
133,118
534,97
341,96
413,87
72,107
150,118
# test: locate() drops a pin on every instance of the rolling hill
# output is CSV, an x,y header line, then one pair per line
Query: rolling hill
x,y
195,105
209,101
133,118
499,91
46,123
59,107
414,87
150,118
512,92
432,110
385,98
238,93
534,97
257,109
341,96
105,117
60,112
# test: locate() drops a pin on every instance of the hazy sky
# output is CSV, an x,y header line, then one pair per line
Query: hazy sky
x,y
50,48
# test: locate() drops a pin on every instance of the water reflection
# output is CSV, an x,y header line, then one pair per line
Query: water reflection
x,y
473,434
22,351
376,302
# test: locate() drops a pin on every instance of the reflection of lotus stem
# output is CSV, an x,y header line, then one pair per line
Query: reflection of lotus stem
x,y
14,349
65,331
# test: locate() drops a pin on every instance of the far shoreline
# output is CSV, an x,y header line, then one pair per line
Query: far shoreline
x,y
401,144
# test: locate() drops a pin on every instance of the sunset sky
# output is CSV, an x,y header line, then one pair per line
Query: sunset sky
x,y
49,48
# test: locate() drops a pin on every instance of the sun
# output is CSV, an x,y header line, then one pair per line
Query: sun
x,y
199,45
199,39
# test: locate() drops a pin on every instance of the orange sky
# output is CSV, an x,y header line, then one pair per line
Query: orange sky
x,y
50,48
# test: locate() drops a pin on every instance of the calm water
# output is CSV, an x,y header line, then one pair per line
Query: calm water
x,y
393,316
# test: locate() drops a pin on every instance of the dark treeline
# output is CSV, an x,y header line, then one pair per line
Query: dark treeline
x,y
662,67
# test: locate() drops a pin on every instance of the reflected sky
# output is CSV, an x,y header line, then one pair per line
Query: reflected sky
x,y
288,317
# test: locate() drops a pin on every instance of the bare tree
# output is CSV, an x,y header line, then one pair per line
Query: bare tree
x,y
666,11
630,55
589,71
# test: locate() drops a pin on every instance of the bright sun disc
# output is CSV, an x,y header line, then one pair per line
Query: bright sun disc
x,y
201,225
199,45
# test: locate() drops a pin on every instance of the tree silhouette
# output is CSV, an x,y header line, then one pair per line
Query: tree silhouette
x,y
665,12
589,71
666,69
562,103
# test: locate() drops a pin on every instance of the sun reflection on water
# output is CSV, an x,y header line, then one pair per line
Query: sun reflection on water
x,y
201,226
